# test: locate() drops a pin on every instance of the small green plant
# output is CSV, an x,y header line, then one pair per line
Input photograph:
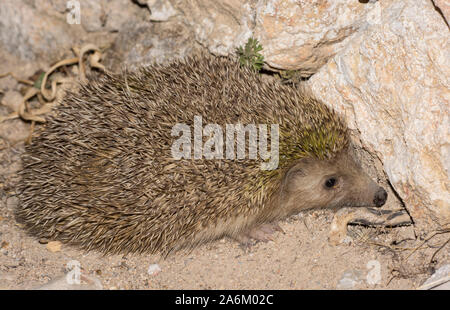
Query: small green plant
x,y
249,55
291,76
38,82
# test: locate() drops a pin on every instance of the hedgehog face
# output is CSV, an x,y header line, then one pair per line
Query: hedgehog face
x,y
332,183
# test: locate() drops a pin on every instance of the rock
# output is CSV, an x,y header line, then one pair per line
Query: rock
x,y
12,63
14,130
54,246
304,35
93,15
121,12
295,36
30,31
153,269
161,10
391,83
444,7
440,280
443,286
12,99
350,279
7,82
145,43
59,5
39,30
109,15
220,26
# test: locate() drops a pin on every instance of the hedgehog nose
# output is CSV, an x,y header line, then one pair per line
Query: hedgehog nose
x,y
380,197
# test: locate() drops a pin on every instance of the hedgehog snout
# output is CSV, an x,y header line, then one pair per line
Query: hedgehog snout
x,y
380,197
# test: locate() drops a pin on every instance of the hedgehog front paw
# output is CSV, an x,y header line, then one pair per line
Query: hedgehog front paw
x,y
262,233
265,232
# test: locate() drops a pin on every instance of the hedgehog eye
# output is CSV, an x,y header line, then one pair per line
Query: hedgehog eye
x,y
330,182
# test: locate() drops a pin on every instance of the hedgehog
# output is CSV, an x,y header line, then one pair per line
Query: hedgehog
x,y
101,173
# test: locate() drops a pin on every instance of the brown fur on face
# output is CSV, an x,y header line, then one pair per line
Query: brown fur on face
x,y
332,183
311,183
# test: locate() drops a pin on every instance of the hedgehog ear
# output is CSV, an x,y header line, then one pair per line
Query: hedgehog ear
x,y
291,178
296,171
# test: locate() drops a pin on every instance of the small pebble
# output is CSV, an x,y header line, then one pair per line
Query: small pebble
x,y
439,280
153,269
349,280
54,246
12,99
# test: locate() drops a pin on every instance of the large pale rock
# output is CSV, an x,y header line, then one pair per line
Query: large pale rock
x,y
443,6
39,30
160,10
92,15
392,84
296,35
109,15
30,32
303,35
220,26
145,43
120,12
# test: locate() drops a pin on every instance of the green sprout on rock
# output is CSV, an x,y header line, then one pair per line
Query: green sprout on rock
x,y
249,55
